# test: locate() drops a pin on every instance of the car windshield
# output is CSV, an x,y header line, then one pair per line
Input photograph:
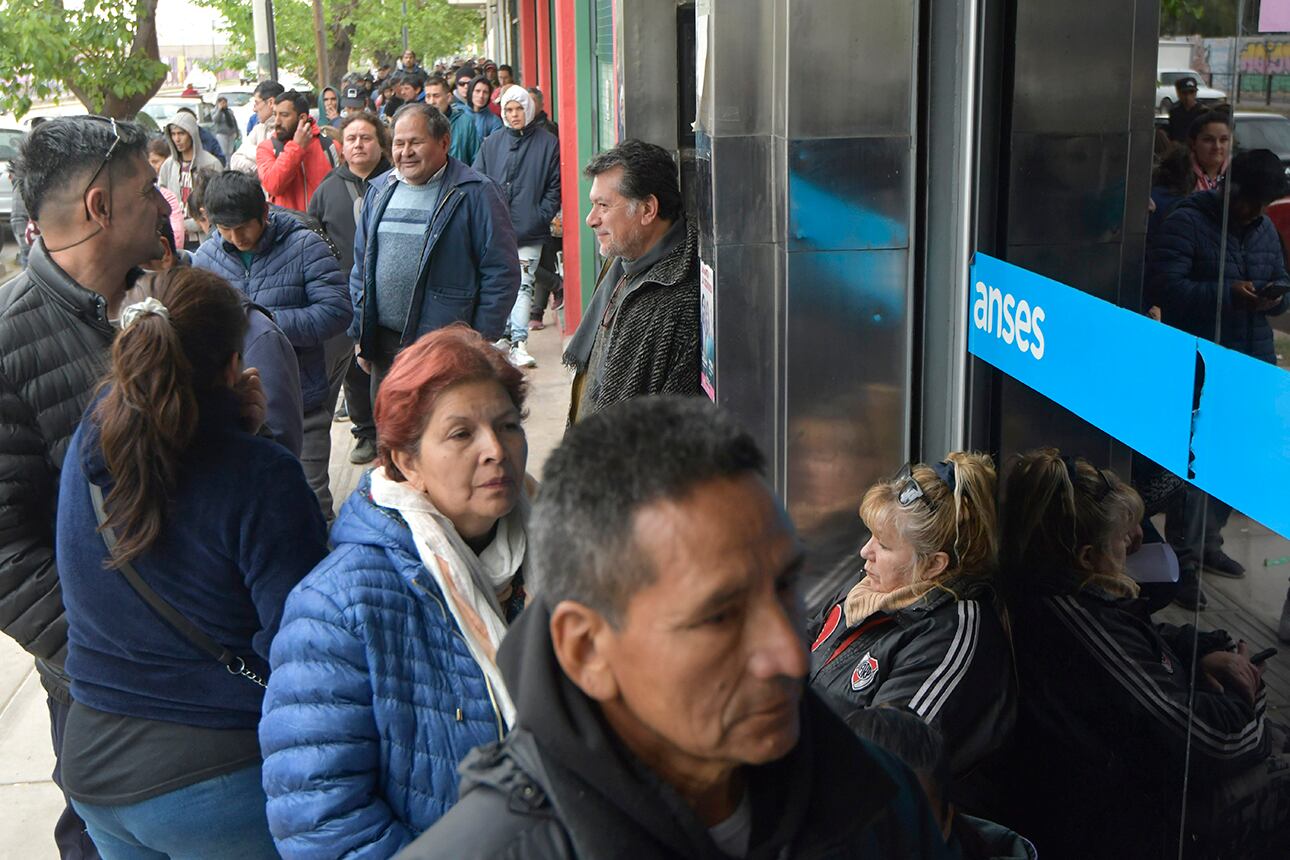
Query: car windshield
x,y
165,111
1170,77
236,99
1264,133
9,140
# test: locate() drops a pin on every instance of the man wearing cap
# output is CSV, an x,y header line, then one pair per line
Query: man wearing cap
x,y
352,101
1185,261
1186,110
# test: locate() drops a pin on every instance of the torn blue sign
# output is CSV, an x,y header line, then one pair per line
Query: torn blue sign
x,y
1088,355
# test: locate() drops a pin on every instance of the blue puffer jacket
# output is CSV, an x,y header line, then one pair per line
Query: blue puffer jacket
x,y
295,275
1182,274
373,700
525,164
470,268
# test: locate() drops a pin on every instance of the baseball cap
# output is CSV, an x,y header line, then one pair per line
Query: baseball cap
x,y
352,98
1186,84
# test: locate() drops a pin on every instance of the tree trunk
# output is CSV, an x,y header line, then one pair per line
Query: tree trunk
x,y
143,45
340,38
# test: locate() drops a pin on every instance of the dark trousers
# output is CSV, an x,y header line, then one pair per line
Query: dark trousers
x,y
358,400
1194,528
315,448
545,280
70,836
385,347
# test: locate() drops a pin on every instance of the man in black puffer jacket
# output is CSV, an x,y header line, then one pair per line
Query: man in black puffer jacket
x,y
88,183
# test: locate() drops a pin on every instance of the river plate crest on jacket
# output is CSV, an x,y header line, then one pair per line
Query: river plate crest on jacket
x,y
865,672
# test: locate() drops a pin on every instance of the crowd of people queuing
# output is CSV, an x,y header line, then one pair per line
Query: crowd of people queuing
x,y
615,662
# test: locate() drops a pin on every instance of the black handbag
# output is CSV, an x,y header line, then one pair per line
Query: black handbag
x,y
226,658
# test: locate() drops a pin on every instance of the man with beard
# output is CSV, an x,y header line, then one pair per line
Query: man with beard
x,y
294,161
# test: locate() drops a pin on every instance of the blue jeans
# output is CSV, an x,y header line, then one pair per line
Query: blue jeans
x,y
519,322
215,819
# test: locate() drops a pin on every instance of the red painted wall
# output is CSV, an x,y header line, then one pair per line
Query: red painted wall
x,y
543,51
528,43
566,82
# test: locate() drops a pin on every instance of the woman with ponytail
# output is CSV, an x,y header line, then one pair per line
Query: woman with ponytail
x,y
178,532
1124,721
920,629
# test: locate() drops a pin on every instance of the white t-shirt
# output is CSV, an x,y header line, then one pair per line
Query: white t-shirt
x,y
733,834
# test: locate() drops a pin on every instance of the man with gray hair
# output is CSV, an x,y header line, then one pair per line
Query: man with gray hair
x,y
640,334
659,675
434,246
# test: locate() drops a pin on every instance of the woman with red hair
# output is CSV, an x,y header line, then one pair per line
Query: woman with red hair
x,y
384,672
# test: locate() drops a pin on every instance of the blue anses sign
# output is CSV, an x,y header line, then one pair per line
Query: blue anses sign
x,y
1135,379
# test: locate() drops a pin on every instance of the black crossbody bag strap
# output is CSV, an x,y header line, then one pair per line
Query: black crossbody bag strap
x,y
226,658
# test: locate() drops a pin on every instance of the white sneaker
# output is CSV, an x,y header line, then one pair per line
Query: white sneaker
x,y
520,355
503,344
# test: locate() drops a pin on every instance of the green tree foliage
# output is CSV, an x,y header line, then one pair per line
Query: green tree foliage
x,y
104,53
358,29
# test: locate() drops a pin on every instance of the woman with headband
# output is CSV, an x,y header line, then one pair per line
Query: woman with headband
x,y
920,629
179,536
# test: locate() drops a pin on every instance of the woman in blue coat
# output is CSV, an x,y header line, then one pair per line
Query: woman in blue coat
x,y
160,753
384,672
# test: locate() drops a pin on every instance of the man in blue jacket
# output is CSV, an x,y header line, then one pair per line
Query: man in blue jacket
x,y
284,266
434,246
1183,265
525,164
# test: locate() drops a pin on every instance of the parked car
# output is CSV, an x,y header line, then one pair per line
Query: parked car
x,y
1165,92
1264,131
9,140
163,110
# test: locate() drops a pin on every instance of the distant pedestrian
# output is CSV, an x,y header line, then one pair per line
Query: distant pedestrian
x,y
329,107
524,161
1187,109
1210,142
465,137
539,102
225,123
263,124
158,151
186,156
481,100
640,334
161,753
336,205
282,265
293,162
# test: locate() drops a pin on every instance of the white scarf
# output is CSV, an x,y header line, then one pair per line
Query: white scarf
x,y
469,582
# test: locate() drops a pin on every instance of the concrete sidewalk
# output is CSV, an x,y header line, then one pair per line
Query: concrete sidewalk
x,y
30,801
